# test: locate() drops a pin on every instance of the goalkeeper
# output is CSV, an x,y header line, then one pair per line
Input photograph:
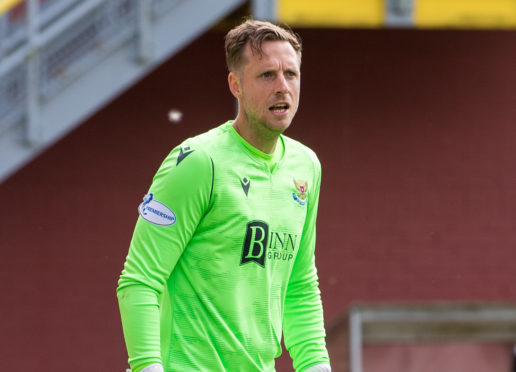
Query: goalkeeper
x,y
221,264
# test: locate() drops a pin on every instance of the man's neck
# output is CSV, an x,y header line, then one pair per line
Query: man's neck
x,y
264,143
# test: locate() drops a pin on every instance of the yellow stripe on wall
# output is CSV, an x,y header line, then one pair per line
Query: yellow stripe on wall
x,y
465,13
331,13
6,5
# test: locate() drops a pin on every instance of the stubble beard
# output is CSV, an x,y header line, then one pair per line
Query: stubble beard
x,y
263,128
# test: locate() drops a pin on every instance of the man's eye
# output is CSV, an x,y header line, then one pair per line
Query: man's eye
x,y
267,74
291,74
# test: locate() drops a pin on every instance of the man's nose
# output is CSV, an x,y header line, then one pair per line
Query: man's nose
x,y
281,85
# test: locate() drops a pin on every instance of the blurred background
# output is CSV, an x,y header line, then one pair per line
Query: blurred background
x,y
410,105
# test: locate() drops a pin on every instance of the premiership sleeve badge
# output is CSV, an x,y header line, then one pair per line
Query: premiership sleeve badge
x,y
156,212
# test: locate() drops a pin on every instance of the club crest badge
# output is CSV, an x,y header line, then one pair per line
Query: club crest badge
x,y
302,190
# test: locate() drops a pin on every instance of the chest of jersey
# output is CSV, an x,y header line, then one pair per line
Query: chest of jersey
x,y
257,214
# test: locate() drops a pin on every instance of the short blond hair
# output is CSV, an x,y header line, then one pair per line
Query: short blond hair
x,y
255,33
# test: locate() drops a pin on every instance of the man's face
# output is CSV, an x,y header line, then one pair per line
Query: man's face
x,y
269,87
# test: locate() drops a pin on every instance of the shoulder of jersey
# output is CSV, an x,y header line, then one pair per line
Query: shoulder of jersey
x,y
301,149
198,147
209,143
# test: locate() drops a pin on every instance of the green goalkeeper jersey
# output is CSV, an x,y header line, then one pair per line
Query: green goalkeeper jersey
x,y
221,262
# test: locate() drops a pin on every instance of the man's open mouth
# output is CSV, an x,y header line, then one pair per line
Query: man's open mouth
x,y
279,108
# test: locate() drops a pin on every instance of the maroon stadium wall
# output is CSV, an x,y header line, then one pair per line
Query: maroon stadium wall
x,y
416,134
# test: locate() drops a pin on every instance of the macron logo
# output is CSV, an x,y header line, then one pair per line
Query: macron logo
x,y
245,182
183,153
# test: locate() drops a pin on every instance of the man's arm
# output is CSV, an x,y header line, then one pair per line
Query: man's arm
x,y
303,322
177,200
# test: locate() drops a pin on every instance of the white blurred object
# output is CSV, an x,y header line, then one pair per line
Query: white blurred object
x,y
153,368
175,115
322,367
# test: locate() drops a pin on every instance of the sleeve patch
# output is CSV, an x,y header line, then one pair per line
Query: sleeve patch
x,y
156,212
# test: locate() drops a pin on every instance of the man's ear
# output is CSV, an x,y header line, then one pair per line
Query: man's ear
x,y
235,86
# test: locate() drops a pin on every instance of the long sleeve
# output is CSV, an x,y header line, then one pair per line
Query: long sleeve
x,y
303,322
177,200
